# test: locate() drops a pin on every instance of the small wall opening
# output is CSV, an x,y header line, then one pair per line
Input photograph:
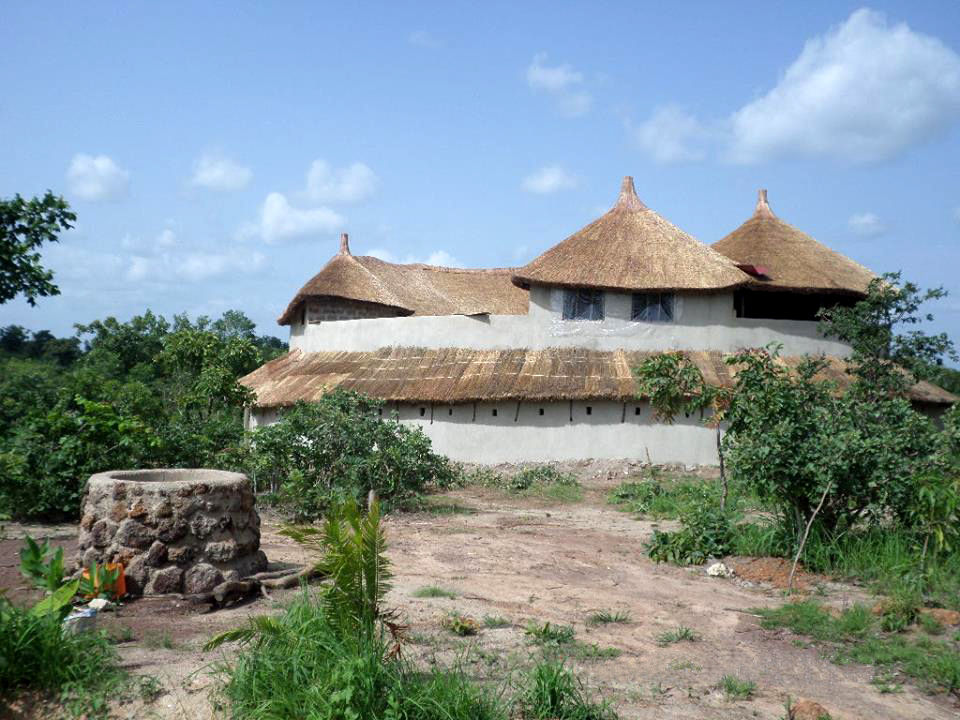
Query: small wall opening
x,y
589,410
494,412
540,412
423,411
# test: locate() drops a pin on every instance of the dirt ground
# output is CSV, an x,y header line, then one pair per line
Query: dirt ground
x,y
529,560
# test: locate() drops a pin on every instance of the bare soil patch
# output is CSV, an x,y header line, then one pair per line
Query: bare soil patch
x,y
527,560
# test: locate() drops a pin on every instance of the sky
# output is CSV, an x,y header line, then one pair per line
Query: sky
x,y
214,152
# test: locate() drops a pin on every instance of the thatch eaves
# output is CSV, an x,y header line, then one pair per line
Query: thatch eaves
x,y
412,289
791,259
632,248
459,375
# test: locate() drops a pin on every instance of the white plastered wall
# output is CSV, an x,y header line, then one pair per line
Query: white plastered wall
x,y
611,430
702,322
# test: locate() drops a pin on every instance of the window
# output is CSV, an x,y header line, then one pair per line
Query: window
x,y
541,411
589,410
652,307
494,412
423,411
582,304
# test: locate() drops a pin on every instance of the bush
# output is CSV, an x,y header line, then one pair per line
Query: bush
x,y
705,532
36,654
554,693
339,447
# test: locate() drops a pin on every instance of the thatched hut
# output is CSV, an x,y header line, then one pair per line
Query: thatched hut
x,y
534,363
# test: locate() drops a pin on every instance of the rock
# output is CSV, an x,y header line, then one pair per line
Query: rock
x,y
165,581
102,532
942,615
201,578
134,534
808,710
163,509
136,575
171,529
202,525
119,511
182,554
119,491
719,570
90,556
157,554
138,510
87,521
222,551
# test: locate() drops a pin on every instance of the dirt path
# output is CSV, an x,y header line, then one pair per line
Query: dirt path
x,y
528,561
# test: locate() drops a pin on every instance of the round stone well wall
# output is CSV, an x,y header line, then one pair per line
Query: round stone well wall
x,y
175,531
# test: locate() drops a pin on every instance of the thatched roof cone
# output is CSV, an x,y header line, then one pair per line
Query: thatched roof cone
x,y
632,248
412,289
792,260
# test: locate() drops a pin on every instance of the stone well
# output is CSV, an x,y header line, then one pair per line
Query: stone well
x,y
175,531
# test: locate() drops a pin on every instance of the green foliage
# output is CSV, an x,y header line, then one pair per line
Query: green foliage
x,y
736,689
681,633
25,225
339,447
432,591
607,617
674,384
43,568
554,693
547,634
97,581
82,670
934,665
495,622
543,481
143,393
461,625
705,532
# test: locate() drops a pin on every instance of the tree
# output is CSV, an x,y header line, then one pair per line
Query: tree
x,y
25,225
884,357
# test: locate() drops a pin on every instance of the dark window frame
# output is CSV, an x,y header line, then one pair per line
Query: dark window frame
x,y
659,307
583,304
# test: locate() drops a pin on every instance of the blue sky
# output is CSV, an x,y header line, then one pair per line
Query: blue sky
x,y
214,151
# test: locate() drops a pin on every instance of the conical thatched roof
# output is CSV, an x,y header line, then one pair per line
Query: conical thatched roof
x,y
632,248
790,259
413,289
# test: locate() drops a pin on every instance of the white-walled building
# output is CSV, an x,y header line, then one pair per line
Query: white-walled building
x,y
534,363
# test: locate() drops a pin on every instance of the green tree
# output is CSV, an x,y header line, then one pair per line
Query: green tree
x,y
25,225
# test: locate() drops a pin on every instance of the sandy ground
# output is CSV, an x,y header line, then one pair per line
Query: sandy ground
x,y
528,560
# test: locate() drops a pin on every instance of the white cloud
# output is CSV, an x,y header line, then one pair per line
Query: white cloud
x,y
548,179
672,136
349,184
863,91
560,81
166,238
279,220
437,257
216,172
139,268
866,225
421,38
203,265
96,177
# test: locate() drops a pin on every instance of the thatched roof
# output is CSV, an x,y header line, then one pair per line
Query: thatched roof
x,y
457,375
791,259
632,248
414,289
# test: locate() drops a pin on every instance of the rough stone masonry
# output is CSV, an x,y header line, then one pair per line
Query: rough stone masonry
x,y
175,531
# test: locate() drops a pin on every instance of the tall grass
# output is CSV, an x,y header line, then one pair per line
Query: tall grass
x,y
889,560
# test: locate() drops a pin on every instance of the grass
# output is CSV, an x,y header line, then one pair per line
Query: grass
x,y
304,667
592,651
433,591
854,637
736,689
155,641
81,671
548,634
553,692
542,481
461,625
495,622
681,633
606,617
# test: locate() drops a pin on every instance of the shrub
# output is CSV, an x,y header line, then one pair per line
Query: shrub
x,y
554,693
339,447
705,531
548,634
